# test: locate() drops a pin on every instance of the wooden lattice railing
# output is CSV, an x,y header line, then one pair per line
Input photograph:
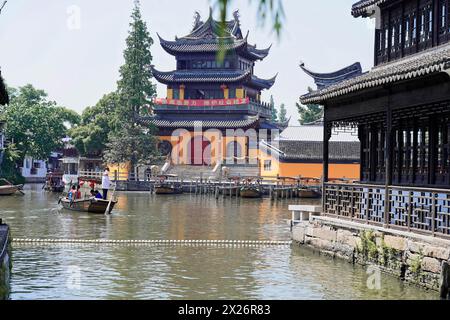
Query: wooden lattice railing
x,y
418,210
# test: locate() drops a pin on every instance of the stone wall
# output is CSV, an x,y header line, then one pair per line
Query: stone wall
x,y
5,260
414,258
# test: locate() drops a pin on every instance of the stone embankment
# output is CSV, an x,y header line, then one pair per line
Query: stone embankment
x,y
5,261
418,259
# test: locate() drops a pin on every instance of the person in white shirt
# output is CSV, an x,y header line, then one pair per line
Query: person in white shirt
x,y
105,183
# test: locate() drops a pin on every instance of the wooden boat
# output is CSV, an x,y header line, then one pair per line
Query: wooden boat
x,y
54,183
164,187
8,189
251,188
306,193
92,205
251,192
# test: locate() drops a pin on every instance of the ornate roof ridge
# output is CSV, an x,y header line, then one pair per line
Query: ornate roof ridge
x,y
365,8
323,80
433,60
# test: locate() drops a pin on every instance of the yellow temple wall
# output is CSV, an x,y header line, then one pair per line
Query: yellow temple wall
x,y
122,169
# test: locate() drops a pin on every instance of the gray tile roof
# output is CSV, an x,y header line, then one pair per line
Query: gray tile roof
x,y
215,124
313,133
183,76
431,61
313,150
201,45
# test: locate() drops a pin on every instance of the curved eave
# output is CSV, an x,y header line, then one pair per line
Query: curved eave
x,y
254,54
263,83
342,73
433,61
365,8
205,124
172,77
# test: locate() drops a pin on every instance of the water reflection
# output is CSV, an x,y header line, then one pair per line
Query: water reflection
x,y
183,272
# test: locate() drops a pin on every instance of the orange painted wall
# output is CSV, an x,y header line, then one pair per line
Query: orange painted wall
x,y
309,170
315,170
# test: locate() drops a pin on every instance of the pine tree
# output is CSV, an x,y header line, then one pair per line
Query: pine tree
x,y
273,109
282,114
131,141
135,87
309,113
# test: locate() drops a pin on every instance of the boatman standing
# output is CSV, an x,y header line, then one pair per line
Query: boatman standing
x,y
105,183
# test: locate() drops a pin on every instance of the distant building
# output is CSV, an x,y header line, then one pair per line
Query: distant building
x,y
299,152
75,166
34,171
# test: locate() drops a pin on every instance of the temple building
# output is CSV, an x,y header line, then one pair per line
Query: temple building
x,y
213,97
298,153
400,109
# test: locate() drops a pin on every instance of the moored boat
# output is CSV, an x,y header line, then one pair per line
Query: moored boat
x,y
306,193
251,188
54,183
92,205
8,189
251,192
163,186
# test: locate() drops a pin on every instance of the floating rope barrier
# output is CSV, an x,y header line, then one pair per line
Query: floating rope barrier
x,y
155,242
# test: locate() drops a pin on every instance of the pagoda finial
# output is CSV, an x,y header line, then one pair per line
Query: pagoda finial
x,y
236,15
210,12
197,20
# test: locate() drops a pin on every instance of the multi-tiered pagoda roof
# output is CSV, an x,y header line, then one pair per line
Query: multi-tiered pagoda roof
x,y
211,38
214,82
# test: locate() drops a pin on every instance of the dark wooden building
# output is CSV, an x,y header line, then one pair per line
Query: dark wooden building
x,y
401,111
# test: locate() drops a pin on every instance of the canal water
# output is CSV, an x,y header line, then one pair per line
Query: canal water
x,y
176,272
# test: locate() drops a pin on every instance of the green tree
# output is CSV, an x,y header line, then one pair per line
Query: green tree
x,y
309,113
131,141
96,124
35,124
273,110
135,87
282,114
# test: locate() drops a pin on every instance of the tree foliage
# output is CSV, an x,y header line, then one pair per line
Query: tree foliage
x,y
96,124
309,113
131,141
35,124
282,114
273,110
135,87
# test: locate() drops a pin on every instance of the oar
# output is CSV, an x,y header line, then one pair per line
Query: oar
x,y
110,200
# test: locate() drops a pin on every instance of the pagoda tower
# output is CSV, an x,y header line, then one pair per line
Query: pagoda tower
x,y
213,88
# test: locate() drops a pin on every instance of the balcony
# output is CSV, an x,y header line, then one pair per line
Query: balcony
x,y
419,210
220,106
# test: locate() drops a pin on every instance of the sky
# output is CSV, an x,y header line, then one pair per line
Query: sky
x,y
73,49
